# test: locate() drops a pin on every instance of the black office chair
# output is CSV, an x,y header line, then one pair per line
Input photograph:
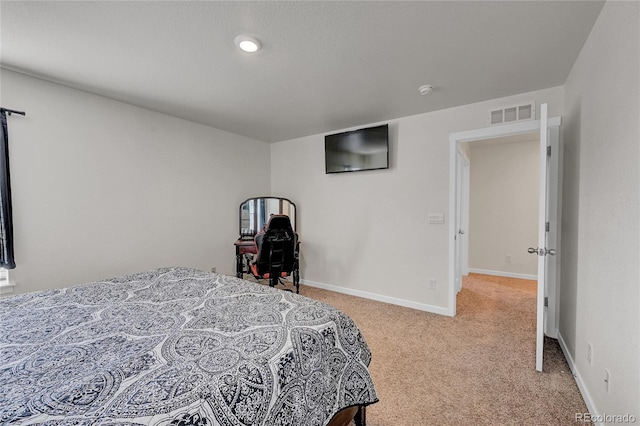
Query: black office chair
x,y
278,252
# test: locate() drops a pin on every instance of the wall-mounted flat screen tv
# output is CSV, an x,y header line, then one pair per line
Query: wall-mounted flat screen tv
x,y
357,150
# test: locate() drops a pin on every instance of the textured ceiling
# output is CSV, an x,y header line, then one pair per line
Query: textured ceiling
x,y
324,66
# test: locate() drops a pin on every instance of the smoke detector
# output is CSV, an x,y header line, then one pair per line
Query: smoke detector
x,y
426,89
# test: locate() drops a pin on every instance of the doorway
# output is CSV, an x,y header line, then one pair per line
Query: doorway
x,y
503,206
548,210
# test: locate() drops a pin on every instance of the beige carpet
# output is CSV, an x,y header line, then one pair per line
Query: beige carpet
x,y
477,368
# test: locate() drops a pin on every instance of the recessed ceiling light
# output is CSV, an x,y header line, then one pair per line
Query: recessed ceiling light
x,y
426,89
248,44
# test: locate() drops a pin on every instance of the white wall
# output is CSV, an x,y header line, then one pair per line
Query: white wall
x,y
503,208
102,188
599,299
367,232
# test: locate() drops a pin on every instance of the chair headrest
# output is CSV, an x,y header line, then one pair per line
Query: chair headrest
x,y
279,221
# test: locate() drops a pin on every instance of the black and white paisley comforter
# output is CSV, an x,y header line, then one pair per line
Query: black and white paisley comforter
x,y
177,346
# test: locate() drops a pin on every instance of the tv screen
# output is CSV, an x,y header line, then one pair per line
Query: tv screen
x,y
363,149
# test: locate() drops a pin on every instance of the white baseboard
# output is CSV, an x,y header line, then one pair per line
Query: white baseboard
x,y
576,374
378,297
503,274
6,287
6,284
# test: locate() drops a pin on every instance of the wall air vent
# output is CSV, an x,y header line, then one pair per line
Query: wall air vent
x,y
512,114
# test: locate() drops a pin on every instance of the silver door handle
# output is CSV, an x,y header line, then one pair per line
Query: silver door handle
x,y
542,252
461,232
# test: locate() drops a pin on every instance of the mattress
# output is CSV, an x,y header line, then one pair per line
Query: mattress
x,y
178,346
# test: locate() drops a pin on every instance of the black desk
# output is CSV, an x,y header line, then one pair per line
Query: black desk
x,y
243,246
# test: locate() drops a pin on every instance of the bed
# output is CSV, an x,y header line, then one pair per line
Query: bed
x,y
178,346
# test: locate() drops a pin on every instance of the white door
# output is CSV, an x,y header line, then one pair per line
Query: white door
x,y
542,251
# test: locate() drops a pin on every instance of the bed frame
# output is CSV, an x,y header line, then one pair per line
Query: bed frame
x,y
344,417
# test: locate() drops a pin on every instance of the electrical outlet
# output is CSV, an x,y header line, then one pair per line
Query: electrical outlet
x,y
507,258
589,353
213,269
432,284
607,380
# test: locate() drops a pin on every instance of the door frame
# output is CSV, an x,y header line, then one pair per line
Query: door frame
x,y
461,217
457,138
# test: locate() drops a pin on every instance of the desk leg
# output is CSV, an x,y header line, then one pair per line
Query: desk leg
x,y
296,279
296,269
239,265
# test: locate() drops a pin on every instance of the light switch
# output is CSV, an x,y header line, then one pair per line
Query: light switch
x,y
436,218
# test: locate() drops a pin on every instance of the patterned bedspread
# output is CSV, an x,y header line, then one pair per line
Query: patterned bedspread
x,y
177,346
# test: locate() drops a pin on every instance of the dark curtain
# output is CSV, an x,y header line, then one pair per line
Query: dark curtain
x,y
6,221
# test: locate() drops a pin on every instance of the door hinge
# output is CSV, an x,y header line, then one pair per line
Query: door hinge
x,y
548,151
546,301
546,226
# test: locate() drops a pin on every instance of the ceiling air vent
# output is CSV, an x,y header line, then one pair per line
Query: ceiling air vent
x,y
513,113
